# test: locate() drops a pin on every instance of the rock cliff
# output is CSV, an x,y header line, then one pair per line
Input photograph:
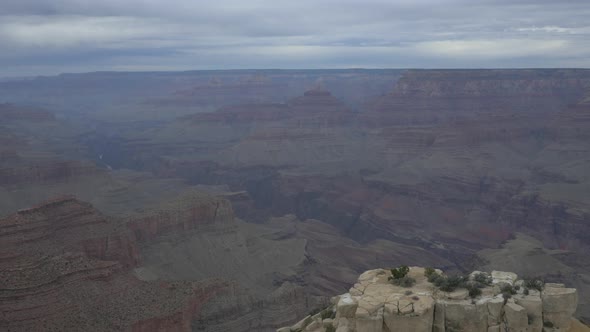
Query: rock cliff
x,y
435,96
495,302
64,266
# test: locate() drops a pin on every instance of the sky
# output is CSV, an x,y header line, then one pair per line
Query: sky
x,y
47,37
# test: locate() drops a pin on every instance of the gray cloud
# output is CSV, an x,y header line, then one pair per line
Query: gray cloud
x,y
51,36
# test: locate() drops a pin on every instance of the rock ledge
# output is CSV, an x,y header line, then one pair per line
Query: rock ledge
x,y
374,304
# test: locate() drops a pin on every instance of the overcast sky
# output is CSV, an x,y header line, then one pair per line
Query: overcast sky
x,y
54,36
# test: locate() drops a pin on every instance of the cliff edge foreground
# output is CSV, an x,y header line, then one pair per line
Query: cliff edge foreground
x,y
424,300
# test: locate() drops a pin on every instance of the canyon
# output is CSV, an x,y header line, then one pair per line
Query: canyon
x,y
243,200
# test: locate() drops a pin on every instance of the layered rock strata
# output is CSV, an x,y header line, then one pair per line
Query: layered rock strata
x,y
64,266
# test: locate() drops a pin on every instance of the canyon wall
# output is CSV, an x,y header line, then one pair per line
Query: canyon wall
x,y
65,266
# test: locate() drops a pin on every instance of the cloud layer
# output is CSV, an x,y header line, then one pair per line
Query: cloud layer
x,y
52,36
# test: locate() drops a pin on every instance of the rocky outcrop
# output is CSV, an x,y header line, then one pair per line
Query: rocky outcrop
x,y
190,211
559,304
375,304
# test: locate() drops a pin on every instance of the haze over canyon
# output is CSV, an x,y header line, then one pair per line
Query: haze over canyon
x,y
241,200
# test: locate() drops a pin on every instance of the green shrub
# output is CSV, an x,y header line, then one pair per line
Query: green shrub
x,y
437,279
508,289
330,328
474,292
525,291
483,279
474,289
429,271
547,324
534,283
451,283
404,281
433,278
399,272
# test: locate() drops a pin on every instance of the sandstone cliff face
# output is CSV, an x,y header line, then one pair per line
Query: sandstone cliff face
x,y
436,83
188,212
65,266
435,96
375,304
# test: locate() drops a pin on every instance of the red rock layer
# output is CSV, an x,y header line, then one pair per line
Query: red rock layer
x,y
66,267
185,214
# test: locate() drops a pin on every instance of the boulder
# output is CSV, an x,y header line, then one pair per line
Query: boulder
x,y
495,308
559,304
465,316
344,329
410,315
314,326
516,317
495,328
341,322
357,290
438,324
501,277
346,306
369,323
458,294
534,309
